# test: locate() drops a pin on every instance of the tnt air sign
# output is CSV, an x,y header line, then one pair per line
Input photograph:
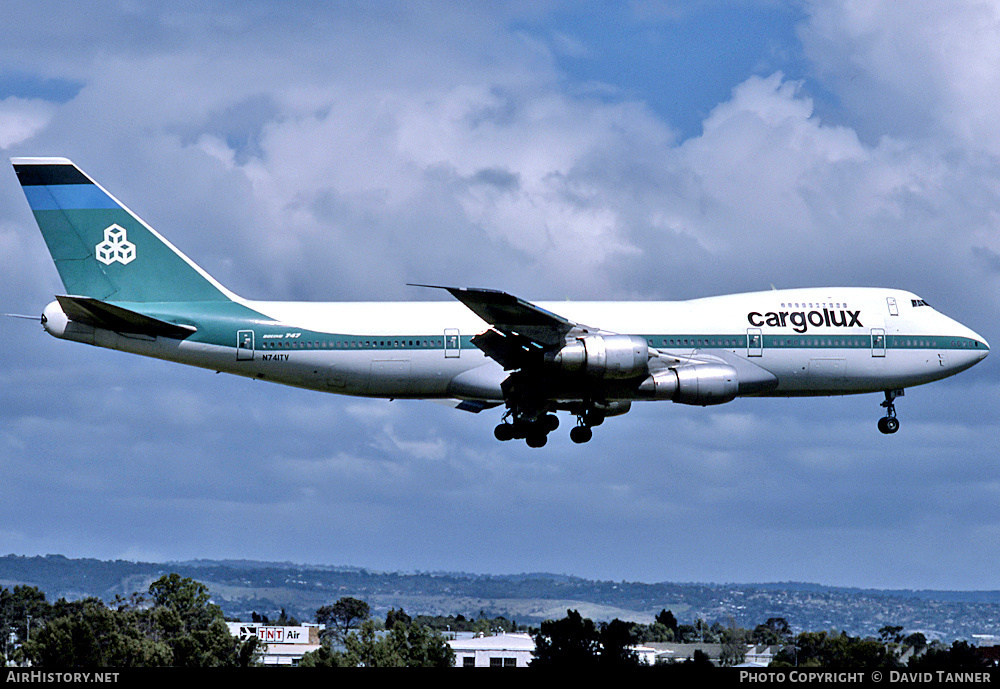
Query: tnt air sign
x,y
273,635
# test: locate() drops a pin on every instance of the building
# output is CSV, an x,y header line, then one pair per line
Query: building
x,y
502,650
283,645
760,656
681,653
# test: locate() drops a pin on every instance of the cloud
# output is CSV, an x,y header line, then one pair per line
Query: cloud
x,y
21,119
926,69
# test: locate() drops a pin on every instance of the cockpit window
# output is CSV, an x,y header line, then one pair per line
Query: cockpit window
x,y
918,302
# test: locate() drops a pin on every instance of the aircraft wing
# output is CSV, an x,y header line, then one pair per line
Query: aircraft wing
x,y
519,329
100,314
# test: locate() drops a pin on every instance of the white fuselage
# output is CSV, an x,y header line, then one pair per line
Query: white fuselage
x,y
824,341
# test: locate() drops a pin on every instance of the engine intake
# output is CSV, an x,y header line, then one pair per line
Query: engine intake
x,y
605,357
699,384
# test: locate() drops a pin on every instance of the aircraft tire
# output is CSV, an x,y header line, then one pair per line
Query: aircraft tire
x,y
580,434
536,440
504,432
888,424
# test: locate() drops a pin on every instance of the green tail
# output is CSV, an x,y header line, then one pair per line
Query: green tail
x,y
101,248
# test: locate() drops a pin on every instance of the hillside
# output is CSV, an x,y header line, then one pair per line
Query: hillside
x,y
243,587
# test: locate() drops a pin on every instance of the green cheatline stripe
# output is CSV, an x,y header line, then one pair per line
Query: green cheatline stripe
x,y
333,341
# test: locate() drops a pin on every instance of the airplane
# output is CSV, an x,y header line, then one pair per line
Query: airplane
x,y
129,289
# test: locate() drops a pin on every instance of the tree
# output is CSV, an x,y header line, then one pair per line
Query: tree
x,y
407,645
394,616
687,634
734,645
16,606
891,634
187,599
917,641
92,635
575,641
772,633
961,655
193,627
323,657
615,641
667,619
182,628
343,616
823,649
570,642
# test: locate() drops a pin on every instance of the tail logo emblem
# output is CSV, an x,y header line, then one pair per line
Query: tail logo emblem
x,y
115,247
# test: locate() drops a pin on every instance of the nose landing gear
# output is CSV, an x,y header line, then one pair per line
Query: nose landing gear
x,y
889,423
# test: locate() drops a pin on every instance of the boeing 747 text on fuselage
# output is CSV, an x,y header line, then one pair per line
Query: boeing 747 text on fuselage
x,y
128,288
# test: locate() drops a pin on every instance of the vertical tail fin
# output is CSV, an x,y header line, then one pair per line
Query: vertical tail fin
x,y
101,248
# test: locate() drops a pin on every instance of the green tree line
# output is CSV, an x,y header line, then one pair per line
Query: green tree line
x,y
577,641
174,624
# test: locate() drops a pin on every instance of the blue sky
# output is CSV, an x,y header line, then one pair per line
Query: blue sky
x,y
555,150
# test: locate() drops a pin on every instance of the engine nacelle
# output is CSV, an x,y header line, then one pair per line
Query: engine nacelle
x,y
700,384
605,357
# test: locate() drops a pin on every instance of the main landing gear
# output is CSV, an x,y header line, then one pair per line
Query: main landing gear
x,y
889,423
582,433
534,429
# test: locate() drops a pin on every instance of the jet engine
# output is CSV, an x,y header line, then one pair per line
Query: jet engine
x,y
699,384
604,357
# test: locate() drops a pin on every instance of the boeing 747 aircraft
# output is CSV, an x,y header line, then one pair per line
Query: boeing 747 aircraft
x,y
128,288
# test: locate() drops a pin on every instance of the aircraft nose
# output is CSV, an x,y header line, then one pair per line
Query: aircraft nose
x,y
979,347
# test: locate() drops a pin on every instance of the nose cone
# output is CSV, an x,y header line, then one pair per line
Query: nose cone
x,y
972,348
985,347
980,347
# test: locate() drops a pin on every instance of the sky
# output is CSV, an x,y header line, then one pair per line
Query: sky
x,y
555,150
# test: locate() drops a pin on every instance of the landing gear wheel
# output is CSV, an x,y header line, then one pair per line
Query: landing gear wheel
x,y
504,432
536,440
580,434
888,424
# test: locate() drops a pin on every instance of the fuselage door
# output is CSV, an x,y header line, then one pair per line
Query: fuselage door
x,y
244,345
452,343
755,342
878,342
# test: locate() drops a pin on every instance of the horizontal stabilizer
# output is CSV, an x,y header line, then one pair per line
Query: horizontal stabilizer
x,y
99,314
